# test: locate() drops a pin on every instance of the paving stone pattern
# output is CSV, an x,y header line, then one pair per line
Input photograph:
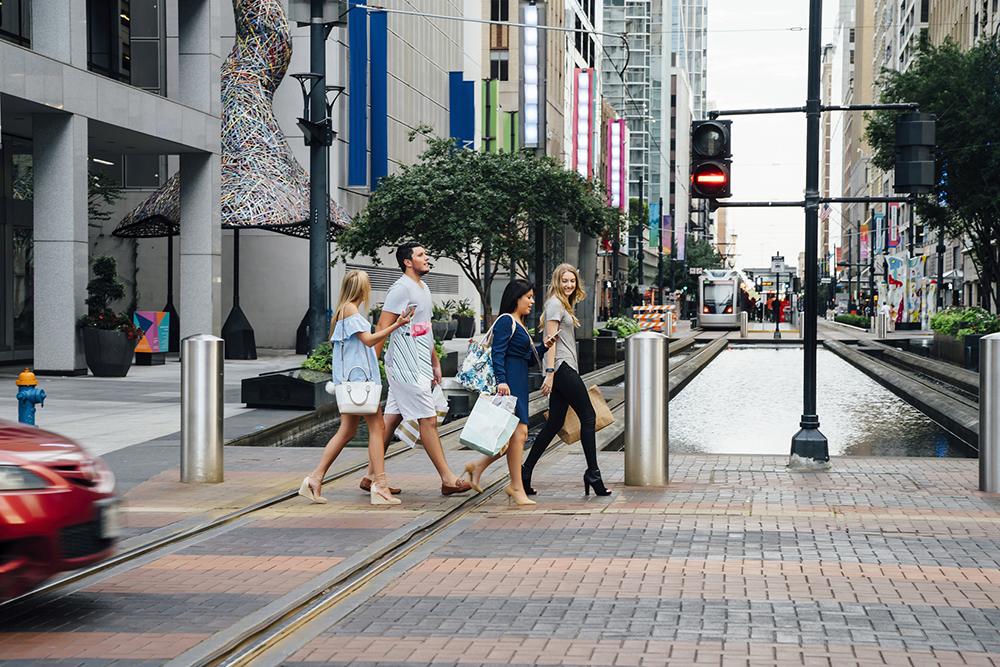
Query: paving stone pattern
x,y
737,562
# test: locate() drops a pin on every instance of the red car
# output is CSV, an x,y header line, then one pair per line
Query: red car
x,y
58,510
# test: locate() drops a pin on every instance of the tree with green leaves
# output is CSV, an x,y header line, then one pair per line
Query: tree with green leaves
x,y
477,209
961,90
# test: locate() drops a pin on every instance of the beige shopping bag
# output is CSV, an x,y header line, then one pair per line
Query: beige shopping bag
x,y
570,431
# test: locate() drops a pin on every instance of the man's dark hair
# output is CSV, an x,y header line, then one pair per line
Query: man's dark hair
x,y
405,252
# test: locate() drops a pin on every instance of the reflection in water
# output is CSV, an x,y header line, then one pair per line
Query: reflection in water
x,y
749,401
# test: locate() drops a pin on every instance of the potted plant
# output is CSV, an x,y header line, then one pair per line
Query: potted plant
x,y
452,307
439,322
449,360
957,332
109,338
465,316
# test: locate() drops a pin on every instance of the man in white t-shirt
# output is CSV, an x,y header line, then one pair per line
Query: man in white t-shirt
x,y
411,364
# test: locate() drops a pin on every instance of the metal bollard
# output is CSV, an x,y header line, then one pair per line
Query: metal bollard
x,y
744,324
989,413
647,362
201,408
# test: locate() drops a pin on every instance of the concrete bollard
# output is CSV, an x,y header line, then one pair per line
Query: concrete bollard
x,y
989,413
202,403
744,324
647,395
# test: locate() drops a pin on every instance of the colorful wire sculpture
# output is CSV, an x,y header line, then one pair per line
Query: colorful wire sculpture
x,y
263,186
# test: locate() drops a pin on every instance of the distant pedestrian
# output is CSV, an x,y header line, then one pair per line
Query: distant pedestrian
x,y
352,340
563,384
513,352
411,364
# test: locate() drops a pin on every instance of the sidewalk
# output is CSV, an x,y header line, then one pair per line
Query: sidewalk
x,y
134,421
738,561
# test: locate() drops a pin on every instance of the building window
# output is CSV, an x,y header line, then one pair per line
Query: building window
x,y
499,10
925,10
499,62
125,41
15,21
142,171
851,37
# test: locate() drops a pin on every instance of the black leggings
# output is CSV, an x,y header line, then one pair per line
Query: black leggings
x,y
568,390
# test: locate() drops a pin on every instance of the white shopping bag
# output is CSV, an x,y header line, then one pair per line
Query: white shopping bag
x,y
409,431
489,426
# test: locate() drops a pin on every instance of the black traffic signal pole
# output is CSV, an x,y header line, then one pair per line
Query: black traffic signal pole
x,y
659,255
809,445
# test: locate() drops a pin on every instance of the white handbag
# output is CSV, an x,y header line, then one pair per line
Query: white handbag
x,y
354,397
358,398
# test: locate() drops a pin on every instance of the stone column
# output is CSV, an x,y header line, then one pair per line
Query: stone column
x,y
199,58
60,240
59,31
201,245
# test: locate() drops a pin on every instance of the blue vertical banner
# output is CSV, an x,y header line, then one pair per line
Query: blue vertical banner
x,y
378,71
654,223
461,110
357,146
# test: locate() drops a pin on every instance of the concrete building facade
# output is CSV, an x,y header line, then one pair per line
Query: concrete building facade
x,y
82,80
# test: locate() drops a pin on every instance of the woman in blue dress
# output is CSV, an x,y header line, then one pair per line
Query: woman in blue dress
x,y
352,341
513,352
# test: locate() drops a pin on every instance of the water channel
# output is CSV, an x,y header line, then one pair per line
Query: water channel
x,y
749,400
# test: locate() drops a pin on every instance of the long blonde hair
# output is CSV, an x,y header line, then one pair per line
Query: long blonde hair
x,y
356,288
555,290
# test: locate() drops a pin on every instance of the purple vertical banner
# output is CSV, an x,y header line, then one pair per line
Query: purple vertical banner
x,y
681,241
378,71
667,247
357,146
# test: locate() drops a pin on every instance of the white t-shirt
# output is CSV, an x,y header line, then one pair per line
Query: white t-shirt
x,y
408,358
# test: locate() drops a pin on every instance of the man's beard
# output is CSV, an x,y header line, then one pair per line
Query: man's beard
x,y
424,272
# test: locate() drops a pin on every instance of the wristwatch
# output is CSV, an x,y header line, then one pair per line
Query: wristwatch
x,y
550,370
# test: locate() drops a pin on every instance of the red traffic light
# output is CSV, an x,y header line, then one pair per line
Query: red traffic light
x,y
710,180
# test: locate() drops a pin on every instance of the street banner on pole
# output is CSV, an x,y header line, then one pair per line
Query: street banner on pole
x,y
654,223
879,232
865,242
667,248
893,225
897,286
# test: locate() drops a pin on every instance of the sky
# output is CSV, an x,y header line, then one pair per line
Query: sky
x,y
755,60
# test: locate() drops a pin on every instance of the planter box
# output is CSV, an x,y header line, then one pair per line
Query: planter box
x,y
586,351
440,329
466,327
606,351
108,352
962,352
452,329
449,365
293,389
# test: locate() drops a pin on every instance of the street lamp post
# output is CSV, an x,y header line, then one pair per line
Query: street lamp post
x,y
809,445
777,305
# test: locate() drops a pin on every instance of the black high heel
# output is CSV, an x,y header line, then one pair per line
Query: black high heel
x,y
526,483
592,479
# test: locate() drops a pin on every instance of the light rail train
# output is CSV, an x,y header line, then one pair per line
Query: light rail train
x,y
720,299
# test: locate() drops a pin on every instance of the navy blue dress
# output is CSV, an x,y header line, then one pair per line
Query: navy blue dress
x,y
512,355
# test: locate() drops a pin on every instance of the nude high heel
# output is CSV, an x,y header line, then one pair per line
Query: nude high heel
x,y
470,469
518,497
306,491
380,493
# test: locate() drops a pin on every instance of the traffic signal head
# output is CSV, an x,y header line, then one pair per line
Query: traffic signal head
x,y
710,163
915,140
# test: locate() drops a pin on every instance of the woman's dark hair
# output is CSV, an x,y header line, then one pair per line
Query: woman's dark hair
x,y
512,294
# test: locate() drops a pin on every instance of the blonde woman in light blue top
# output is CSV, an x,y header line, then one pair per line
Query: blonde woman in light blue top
x,y
352,341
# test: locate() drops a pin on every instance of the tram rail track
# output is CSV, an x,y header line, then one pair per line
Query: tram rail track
x,y
78,578
262,635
